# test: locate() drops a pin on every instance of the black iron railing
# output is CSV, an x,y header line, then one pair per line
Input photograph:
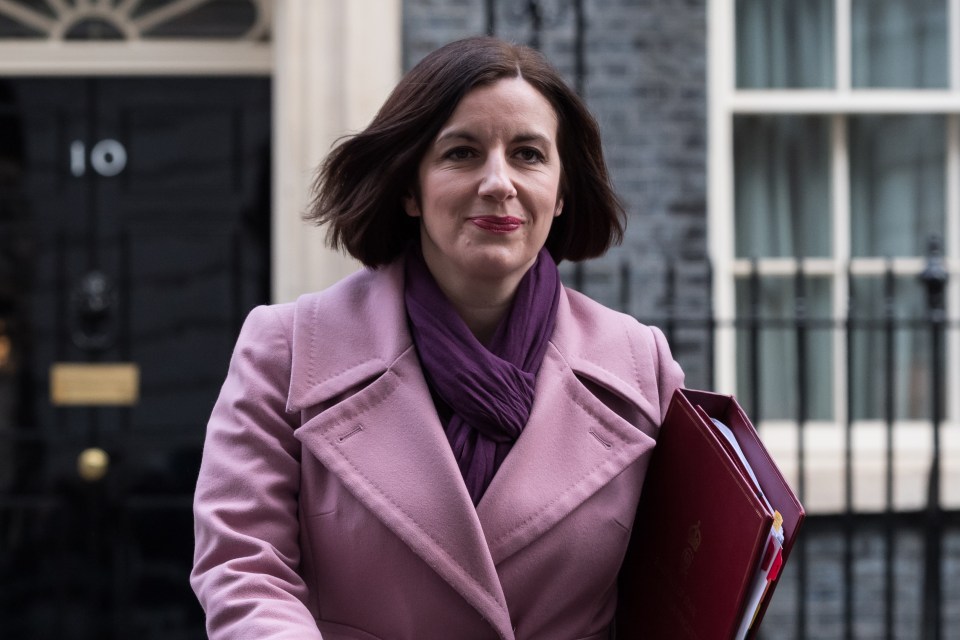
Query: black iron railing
x,y
929,582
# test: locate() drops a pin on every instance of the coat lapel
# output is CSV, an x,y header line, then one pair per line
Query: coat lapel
x,y
385,443
572,446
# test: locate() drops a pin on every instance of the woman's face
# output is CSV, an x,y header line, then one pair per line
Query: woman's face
x,y
489,186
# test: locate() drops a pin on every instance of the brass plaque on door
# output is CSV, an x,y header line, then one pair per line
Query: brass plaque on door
x,y
94,384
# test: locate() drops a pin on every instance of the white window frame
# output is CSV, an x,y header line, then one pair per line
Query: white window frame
x,y
824,441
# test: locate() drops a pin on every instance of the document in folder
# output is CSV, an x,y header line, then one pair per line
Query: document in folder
x,y
715,524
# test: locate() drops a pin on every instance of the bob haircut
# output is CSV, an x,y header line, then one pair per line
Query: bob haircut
x,y
359,188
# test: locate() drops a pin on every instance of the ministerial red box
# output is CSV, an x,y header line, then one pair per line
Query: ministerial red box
x,y
702,532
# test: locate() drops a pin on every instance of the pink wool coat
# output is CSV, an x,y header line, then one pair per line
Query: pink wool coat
x,y
329,503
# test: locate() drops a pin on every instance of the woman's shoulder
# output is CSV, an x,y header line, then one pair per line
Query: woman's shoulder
x,y
615,349
350,303
367,291
595,324
267,321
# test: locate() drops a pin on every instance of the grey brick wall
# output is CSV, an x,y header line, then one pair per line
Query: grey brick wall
x,y
646,84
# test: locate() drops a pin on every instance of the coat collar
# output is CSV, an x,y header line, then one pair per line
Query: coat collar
x,y
387,446
354,330
346,334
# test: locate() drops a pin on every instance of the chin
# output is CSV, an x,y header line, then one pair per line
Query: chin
x,y
492,264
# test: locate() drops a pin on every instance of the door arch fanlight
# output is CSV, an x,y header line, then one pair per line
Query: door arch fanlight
x,y
136,19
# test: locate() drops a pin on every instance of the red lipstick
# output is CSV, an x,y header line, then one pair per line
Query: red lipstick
x,y
497,224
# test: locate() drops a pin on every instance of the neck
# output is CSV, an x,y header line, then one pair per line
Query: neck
x,y
482,316
481,304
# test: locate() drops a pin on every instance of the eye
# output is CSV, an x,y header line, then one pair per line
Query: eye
x,y
459,153
530,154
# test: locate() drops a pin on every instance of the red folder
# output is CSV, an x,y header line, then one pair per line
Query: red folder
x,y
702,534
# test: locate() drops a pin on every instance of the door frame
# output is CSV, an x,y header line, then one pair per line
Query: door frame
x,y
314,102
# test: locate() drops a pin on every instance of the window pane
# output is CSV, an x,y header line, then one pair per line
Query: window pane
x,y
896,184
11,27
767,353
890,359
782,186
784,44
109,19
213,19
900,43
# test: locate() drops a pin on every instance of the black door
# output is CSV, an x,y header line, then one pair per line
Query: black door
x,y
134,237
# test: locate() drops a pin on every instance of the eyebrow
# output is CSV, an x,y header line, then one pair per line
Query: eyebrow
x,y
461,134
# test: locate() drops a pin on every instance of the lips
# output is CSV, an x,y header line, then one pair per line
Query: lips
x,y
497,224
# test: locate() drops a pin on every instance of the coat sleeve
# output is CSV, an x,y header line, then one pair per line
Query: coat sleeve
x,y
247,554
669,374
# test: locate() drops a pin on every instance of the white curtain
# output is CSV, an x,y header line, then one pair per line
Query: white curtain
x,y
790,43
782,194
778,365
897,202
897,183
881,363
782,209
900,43
784,43
782,186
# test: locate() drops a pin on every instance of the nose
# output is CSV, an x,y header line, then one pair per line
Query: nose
x,y
495,182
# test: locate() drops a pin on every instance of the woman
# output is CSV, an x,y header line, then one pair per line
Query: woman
x,y
448,444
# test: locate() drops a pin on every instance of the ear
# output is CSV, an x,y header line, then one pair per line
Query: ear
x,y
559,208
411,206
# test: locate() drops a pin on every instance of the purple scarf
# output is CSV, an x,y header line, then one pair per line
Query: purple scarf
x,y
487,392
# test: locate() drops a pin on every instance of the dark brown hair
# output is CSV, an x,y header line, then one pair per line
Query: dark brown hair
x,y
359,188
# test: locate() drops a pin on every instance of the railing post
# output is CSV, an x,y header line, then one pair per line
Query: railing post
x,y
490,16
754,338
890,417
848,519
671,303
934,278
579,85
801,326
712,326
